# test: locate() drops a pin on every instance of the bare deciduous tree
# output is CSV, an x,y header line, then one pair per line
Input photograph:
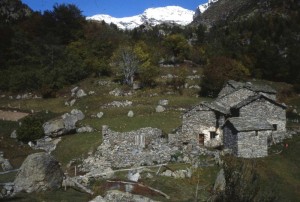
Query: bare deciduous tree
x,y
128,62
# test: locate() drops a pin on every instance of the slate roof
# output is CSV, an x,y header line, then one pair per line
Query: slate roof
x,y
259,88
256,97
216,106
249,85
235,84
249,124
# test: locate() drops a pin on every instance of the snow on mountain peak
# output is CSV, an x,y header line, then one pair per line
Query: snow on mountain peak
x,y
203,7
172,14
152,16
155,16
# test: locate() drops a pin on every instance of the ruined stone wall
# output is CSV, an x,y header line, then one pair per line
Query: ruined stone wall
x,y
265,110
141,147
253,144
235,97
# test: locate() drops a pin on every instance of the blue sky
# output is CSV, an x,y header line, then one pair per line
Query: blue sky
x,y
116,8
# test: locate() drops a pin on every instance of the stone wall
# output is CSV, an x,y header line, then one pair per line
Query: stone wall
x,y
253,144
250,144
266,110
145,146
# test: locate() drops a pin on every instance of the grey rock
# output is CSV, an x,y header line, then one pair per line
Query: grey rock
x,y
114,196
100,115
149,176
220,182
167,173
72,102
78,114
54,128
118,104
179,174
74,90
47,144
85,129
39,172
163,102
80,93
160,109
116,92
136,86
91,92
195,87
64,125
6,166
13,134
130,114
98,199
133,176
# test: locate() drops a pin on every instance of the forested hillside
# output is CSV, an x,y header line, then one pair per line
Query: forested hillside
x,y
231,40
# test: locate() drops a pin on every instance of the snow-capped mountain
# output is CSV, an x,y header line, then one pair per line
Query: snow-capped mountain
x,y
151,16
203,7
155,16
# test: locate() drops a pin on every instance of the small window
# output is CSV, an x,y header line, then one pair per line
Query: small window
x,y
213,135
256,133
274,126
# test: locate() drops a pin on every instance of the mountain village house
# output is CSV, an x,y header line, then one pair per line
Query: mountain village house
x,y
244,118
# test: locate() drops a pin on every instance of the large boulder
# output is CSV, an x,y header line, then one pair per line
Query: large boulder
x,y
54,128
64,125
39,172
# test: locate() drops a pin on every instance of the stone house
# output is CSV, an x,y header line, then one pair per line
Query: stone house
x,y
204,123
246,137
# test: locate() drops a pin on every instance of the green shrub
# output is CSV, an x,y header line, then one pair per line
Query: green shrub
x,y
31,129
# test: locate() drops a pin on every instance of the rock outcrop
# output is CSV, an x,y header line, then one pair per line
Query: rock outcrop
x,y
39,172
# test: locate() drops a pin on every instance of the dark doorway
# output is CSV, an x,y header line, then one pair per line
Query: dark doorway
x,y
201,139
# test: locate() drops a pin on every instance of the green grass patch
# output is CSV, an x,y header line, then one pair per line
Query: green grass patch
x,y
167,121
76,146
55,105
185,189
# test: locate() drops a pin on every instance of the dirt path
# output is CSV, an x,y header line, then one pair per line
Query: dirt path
x,y
11,115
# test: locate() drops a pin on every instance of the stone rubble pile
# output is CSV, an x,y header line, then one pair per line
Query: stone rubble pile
x,y
136,148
